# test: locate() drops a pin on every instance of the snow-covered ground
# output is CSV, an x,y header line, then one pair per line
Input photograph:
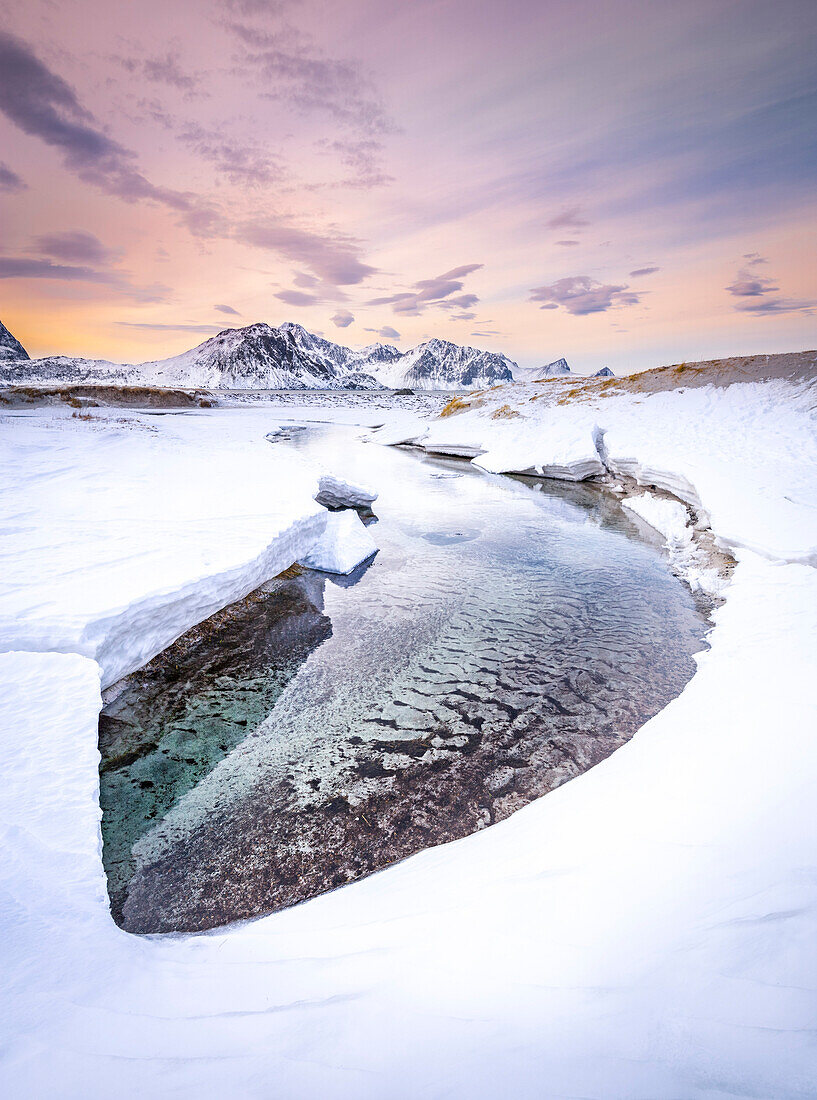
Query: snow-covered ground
x,y
647,930
121,530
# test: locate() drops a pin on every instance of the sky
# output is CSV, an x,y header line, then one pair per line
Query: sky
x,y
626,184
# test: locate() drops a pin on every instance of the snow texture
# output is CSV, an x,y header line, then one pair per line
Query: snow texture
x,y
648,930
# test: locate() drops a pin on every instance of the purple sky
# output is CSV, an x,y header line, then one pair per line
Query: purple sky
x,y
626,183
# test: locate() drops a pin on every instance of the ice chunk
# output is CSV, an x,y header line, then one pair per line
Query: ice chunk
x,y
344,545
669,517
334,492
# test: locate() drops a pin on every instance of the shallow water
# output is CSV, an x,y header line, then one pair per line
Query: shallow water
x,y
508,635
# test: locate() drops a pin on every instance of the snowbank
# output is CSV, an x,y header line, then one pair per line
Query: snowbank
x,y
124,530
744,456
647,930
129,530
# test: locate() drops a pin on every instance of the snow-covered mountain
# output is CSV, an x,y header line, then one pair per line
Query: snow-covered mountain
x,y
439,365
552,370
10,348
260,357
288,357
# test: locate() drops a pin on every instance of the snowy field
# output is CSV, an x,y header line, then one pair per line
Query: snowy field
x,y
648,930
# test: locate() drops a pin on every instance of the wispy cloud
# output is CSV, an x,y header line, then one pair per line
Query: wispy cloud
x,y
580,295
440,291
163,69
257,7
334,259
227,309
297,297
76,246
386,332
753,290
42,104
343,318
286,66
167,70
291,69
29,267
362,157
155,327
10,181
569,218
639,271
241,162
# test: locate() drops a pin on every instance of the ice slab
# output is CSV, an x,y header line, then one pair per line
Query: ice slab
x,y
344,544
335,492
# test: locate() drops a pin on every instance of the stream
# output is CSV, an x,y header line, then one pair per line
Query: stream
x,y
509,634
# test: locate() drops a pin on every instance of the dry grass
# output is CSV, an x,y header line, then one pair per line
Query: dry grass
x,y
792,366
455,405
89,395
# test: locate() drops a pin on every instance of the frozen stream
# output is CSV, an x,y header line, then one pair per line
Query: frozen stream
x,y
508,635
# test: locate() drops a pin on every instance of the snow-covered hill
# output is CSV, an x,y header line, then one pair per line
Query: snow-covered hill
x,y
288,357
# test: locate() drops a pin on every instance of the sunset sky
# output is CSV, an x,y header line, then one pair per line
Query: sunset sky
x,y
625,183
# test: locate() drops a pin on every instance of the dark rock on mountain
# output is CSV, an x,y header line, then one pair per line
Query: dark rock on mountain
x,y
10,347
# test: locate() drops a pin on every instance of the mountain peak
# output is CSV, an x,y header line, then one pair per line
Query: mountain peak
x,y
10,347
558,366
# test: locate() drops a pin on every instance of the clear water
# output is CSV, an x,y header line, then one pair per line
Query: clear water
x,y
508,635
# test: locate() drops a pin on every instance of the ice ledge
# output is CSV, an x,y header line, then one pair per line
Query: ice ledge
x,y
743,458
123,642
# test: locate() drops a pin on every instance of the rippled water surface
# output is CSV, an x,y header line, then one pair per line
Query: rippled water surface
x,y
508,635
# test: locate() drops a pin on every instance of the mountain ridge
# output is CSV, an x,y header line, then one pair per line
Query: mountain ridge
x,y
260,356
